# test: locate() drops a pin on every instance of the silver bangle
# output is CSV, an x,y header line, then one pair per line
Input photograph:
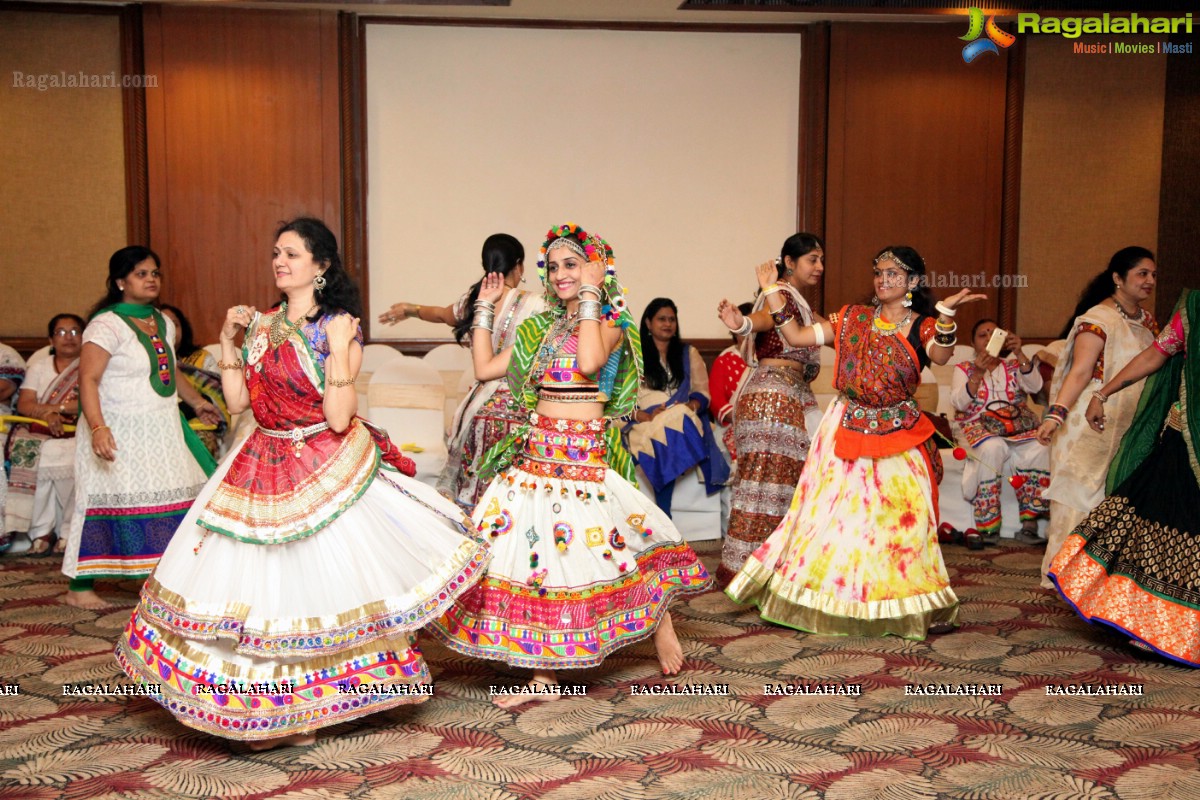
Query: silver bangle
x,y
484,319
818,333
486,305
587,287
942,308
589,309
745,328
1099,396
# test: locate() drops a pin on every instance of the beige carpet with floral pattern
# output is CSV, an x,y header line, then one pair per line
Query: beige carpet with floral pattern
x,y
611,744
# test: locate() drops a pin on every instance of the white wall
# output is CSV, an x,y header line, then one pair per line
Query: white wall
x,y
679,148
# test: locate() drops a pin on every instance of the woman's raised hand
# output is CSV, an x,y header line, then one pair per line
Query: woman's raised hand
x,y
236,319
491,287
729,315
963,297
592,272
341,330
766,273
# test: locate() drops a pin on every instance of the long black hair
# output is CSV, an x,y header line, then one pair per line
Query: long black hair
x,y
187,337
796,245
120,264
1102,286
501,253
655,376
922,298
341,292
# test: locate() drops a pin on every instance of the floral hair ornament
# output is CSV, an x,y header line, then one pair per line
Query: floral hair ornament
x,y
593,248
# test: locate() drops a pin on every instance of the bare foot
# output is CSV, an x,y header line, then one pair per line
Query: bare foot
x,y
85,599
666,643
295,740
60,546
538,688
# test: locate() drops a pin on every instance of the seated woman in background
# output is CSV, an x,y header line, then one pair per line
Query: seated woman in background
x,y
1132,562
724,380
199,368
12,372
671,433
41,480
488,413
989,394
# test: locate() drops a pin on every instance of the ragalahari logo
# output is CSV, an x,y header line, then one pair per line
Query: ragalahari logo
x,y
996,39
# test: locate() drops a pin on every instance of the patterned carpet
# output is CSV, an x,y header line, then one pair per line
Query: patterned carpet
x,y
612,745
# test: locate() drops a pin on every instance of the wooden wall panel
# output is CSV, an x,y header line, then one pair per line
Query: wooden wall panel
x,y
62,212
916,157
1091,164
242,132
1178,233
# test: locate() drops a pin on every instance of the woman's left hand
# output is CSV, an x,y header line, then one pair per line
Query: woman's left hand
x,y
1095,415
54,421
767,274
341,330
592,273
207,413
963,297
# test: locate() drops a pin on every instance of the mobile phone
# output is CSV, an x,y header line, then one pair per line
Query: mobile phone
x,y
996,343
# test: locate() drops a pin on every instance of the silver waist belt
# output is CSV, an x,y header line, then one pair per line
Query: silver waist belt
x,y
296,435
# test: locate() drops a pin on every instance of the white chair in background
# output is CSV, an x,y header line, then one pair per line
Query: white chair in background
x,y
696,514
407,397
374,357
451,360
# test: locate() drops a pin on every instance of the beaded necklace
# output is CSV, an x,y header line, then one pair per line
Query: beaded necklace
x,y
277,333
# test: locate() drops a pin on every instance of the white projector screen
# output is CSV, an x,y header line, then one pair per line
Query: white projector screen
x,y
679,148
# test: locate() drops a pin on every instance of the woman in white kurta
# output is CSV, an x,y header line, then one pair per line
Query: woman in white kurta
x,y
136,474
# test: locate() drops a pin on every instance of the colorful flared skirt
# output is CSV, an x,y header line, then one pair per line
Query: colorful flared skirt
x,y
1133,564
257,640
772,442
582,562
856,554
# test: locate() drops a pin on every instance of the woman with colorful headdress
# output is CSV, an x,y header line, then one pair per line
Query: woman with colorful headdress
x,y
857,553
583,563
770,434
1133,562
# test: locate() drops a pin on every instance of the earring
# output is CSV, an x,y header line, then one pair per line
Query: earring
x,y
319,284
875,300
787,273
907,301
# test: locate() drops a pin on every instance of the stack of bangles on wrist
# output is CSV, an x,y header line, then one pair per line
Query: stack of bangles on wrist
x,y
745,328
589,310
781,317
774,287
1058,413
594,290
945,333
485,315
